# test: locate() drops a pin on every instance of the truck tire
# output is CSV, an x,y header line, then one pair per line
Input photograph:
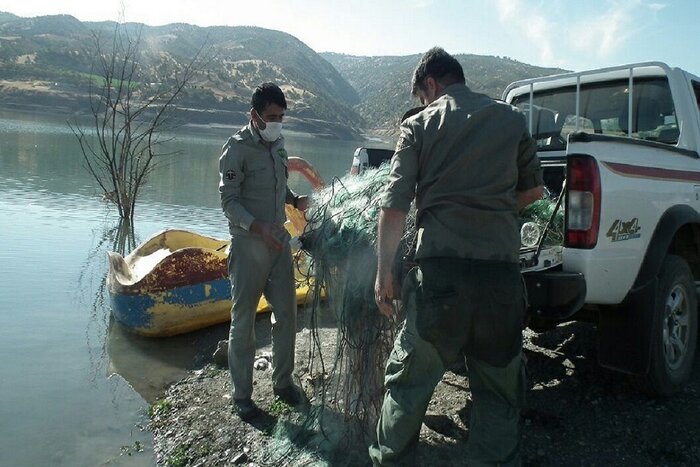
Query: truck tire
x,y
674,331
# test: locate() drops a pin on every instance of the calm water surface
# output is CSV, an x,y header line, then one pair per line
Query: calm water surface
x,y
75,387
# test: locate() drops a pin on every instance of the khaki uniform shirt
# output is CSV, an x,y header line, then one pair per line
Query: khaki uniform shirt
x,y
253,183
463,158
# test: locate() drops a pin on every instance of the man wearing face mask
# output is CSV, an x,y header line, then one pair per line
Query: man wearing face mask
x,y
470,164
254,191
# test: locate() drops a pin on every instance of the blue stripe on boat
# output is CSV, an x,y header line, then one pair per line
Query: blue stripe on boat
x,y
134,311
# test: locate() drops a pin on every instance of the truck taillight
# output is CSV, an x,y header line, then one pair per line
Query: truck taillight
x,y
583,201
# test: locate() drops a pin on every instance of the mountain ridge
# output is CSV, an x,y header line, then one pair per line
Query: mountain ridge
x,y
46,61
483,73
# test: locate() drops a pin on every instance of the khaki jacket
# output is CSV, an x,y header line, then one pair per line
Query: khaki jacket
x,y
253,181
463,158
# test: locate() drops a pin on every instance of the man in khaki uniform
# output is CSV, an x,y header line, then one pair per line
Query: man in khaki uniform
x,y
470,164
253,188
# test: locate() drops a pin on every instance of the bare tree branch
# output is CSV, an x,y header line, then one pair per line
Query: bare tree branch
x,y
129,113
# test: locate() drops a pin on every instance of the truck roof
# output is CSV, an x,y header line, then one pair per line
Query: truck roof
x,y
640,69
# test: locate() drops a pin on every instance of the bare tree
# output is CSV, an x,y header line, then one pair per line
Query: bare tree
x,y
131,105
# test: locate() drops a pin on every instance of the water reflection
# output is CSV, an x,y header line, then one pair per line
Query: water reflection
x,y
148,365
151,364
91,292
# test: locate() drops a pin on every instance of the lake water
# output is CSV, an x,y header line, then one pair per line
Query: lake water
x,y
75,387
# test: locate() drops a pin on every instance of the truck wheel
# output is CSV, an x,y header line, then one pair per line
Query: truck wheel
x,y
675,330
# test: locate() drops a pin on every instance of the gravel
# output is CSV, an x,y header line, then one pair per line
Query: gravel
x,y
577,414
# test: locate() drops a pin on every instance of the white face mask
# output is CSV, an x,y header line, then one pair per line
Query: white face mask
x,y
271,132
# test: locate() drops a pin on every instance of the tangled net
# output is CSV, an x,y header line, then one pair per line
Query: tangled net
x,y
340,240
542,222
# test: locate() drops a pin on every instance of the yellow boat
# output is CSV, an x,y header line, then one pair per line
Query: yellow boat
x,y
177,280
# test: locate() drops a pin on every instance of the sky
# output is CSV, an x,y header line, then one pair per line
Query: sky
x,y
570,34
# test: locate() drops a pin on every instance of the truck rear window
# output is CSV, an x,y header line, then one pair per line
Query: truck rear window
x,y
603,109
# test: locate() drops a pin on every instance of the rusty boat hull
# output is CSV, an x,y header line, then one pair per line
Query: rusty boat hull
x,y
177,282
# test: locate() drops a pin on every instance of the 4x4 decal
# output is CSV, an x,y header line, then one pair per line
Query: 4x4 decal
x,y
621,230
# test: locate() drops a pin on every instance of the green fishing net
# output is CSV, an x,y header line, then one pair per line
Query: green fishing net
x,y
344,216
543,222
341,236
340,240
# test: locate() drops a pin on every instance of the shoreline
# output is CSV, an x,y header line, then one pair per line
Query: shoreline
x,y
576,413
217,123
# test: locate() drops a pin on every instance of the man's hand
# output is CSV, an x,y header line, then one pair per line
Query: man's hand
x,y
269,233
527,197
384,293
391,223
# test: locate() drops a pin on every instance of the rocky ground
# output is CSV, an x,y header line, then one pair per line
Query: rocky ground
x,y
578,414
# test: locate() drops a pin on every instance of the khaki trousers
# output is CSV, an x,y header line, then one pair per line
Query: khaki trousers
x,y
415,366
254,269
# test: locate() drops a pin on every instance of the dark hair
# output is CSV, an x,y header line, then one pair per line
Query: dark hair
x,y
439,65
266,94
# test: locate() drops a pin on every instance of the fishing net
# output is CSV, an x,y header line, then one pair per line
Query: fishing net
x,y
340,241
542,222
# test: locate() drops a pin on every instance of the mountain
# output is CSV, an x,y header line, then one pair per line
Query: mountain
x,y
384,83
47,62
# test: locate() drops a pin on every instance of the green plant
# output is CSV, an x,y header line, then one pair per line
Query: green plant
x,y
202,451
160,407
180,457
279,407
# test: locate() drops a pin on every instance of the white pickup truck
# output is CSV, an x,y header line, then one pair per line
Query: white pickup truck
x,y
619,148
621,144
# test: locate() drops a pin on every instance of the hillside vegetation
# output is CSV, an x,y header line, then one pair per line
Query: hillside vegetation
x,y
384,83
46,64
